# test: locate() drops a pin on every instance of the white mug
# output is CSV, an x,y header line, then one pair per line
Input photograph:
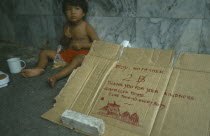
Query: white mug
x,y
15,65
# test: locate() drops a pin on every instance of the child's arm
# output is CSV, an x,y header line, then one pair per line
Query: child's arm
x,y
91,34
65,39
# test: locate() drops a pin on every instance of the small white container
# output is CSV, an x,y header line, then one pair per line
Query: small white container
x,y
125,43
4,82
15,65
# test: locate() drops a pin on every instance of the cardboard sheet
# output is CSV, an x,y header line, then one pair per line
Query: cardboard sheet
x,y
140,94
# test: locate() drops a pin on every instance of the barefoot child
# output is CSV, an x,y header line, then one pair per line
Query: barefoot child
x,y
77,36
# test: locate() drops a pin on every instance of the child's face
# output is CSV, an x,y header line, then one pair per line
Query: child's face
x,y
74,13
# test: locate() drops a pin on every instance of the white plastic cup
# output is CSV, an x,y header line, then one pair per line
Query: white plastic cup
x,y
15,65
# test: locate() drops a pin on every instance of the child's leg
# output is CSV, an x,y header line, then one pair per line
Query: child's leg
x,y
76,62
44,56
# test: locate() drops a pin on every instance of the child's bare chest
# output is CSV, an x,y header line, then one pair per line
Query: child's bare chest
x,y
78,33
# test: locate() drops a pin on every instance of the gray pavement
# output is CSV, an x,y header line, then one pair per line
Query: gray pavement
x,y
24,100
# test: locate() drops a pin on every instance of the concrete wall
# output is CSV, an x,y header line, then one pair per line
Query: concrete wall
x,y
183,25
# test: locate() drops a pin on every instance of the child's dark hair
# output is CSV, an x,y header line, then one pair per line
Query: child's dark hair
x,y
80,3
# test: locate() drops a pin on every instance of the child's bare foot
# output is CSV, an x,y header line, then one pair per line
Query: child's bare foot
x,y
52,81
32,72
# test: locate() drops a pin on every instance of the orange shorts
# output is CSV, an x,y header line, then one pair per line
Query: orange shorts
x,y
69,54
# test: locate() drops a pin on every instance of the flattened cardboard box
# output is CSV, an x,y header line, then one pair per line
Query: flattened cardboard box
x,y
140,94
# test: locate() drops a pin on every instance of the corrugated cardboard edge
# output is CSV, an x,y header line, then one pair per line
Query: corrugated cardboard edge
x,y
151,57
188,62
78,80
105,50
196,62
157,57
161,113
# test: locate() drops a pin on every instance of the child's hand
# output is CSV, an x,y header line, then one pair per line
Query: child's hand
x,y
67,32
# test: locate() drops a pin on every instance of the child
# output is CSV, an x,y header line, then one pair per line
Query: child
x,y
77,36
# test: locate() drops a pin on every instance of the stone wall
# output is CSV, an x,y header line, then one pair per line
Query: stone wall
x,y
183,25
